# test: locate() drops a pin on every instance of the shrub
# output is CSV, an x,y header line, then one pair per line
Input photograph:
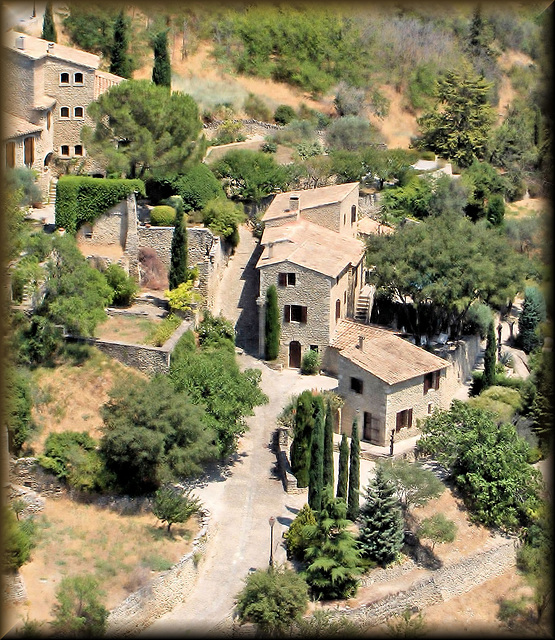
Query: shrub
x,y
183,297
197,187
17,406
296,540
163,331
477,319
348,101
162,216
255,107
82,199
17,538
295,132
216,331
23,180
427,155
269,147
284,114
223,218
170,506
124,286
229,132
310,364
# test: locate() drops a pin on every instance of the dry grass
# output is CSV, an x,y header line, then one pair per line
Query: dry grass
x,y
133,329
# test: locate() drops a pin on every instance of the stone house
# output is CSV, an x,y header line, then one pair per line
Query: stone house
x,y
311,254
387,383
49,88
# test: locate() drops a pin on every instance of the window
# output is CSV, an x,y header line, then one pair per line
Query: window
x,y
356,385
78,78
345,297
314,347
287,279
294,313
64,78
10,155
337,309
78,112
48,120
64,150
87,231
29,151
78,149
353,214
403,420
64,112
431,381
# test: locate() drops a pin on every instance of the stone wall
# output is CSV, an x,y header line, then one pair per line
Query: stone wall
x,y
250,127
284,466
369,205
26,472
462,354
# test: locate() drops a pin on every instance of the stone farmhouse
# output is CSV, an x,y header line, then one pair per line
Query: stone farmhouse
x,y
312,256
388,384
49,88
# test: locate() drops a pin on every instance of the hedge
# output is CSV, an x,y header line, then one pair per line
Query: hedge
x,y
162,216
81,199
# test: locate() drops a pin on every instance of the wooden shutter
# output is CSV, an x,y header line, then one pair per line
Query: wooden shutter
x,y
303,315
29,150
409,418
282,279
427,384
287,313
436,380
10,155
399,420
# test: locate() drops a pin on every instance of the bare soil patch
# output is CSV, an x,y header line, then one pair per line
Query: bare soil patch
x,y
527,207
123,552
127,328
399,126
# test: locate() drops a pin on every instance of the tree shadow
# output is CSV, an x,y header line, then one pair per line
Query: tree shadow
x,y
246,327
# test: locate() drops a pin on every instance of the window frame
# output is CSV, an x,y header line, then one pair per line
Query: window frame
x,y
76,152
10,154
75,113
431,381
357,385
78,82
62,117
62,147
353,214
63,82
403,419
299,311
287,279
29,151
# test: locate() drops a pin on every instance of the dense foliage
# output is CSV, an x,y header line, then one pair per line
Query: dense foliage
x,y
488,463
328,447
171,506
17,406
178,257
48,26
437,528
223,217
532,315
78,611
18,540
295,537
120,61
272,324
490,357
81,199
353,499
413,483
197,187
300,447
316,467
162,216
124,286
343,468
161,70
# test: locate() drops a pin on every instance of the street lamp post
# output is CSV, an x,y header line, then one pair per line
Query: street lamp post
x,y
272,522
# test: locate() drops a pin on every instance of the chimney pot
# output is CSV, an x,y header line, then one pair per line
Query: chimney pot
x,y
20,42
270,249
361,343
294,202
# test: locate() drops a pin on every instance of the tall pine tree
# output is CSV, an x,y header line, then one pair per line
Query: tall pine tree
x,y
178,265
343,468
161,72
120,62
328,446
300,447
316,469
48,26
381,529
489,358
272,324
354,474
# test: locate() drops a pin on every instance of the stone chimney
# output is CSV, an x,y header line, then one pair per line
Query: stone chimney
x,y
361,343
20,42
294,202
270,249
50,47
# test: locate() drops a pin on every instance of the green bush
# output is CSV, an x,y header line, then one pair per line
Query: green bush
x,y
124,286
255,107
162,216
163,331
229,132
25,277
197,187
477,319
223,217
17,406
310,364
24,179
269,147
427,155
296,540
18,540
284,114
81,199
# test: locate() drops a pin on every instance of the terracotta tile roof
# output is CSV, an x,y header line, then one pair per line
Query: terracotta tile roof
x,y
384,354
37,48
308,199
310,246
14,126
370,226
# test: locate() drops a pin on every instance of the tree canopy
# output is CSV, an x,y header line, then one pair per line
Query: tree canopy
x,y
141,128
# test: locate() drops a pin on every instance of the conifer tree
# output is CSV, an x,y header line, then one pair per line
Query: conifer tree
x,y
316,469
272,324
343,468
48,26
533,313
161,72
178,264
120,62
300,447
489,358
328,447
381,530
354,474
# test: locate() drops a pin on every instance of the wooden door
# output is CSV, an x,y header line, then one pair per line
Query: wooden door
x,y
295,354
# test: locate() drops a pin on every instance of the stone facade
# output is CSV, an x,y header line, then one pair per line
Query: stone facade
x,y
337,216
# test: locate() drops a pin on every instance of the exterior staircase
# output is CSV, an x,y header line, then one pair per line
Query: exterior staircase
x,y
52,192
365,303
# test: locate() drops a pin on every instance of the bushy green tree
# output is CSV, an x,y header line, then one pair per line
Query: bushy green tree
x,y
223,217
459,126
488,463
414,484
89,26
300,447
532,314
124,286
17,539
18,403
381,531
343,468
48,26
354,474
178,258
22,189
437,528
160,130
483,182
316,468
296,540
153,434
272,324
120,61
333,560
171,506
328,447
350,133
274,599
310,363
197,187
78,611
490,357
161,71
284,114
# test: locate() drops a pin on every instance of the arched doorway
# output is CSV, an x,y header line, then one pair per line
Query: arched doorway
x,y
48,160
294,354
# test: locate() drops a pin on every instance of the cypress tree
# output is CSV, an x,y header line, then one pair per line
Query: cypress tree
x,y
316,469
120,63
354,475
178,265
48,26
489,358
381,530
532,314
161,72
300,447
272,325
328,447
343,470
